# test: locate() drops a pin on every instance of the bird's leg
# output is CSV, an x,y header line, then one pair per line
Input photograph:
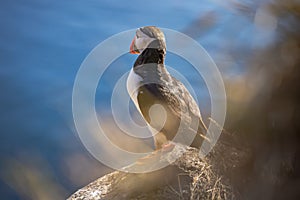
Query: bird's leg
x,y
147,158
167,147
159,140
161,145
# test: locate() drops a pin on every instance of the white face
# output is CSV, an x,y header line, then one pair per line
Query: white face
x,y
142,40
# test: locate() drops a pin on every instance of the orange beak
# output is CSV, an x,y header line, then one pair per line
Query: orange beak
x,y
133,49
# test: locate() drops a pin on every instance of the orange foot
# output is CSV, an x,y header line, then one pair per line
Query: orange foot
x,y
167,147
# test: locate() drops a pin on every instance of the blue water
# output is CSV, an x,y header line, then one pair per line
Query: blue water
x,y
42,44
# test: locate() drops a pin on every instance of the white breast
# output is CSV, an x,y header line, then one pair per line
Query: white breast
x,y
133,83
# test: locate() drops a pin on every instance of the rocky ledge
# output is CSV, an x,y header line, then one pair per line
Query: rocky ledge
x,y
188,177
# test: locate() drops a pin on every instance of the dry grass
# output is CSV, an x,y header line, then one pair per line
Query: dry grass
x,y
189,177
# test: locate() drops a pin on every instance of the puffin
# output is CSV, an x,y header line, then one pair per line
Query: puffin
x,y
168,108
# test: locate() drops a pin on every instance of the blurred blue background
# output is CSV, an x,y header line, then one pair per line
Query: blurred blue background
x,y
43,43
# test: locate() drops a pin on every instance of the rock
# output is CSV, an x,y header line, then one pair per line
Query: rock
x,y
189,177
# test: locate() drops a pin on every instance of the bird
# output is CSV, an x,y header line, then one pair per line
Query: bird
x,y
165,104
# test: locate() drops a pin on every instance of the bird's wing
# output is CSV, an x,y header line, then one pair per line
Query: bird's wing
x,y
196,121
191,104
182,111
154,93
185,95
173,95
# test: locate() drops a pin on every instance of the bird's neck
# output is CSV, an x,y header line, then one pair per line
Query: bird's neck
x,y
150,55
150,66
